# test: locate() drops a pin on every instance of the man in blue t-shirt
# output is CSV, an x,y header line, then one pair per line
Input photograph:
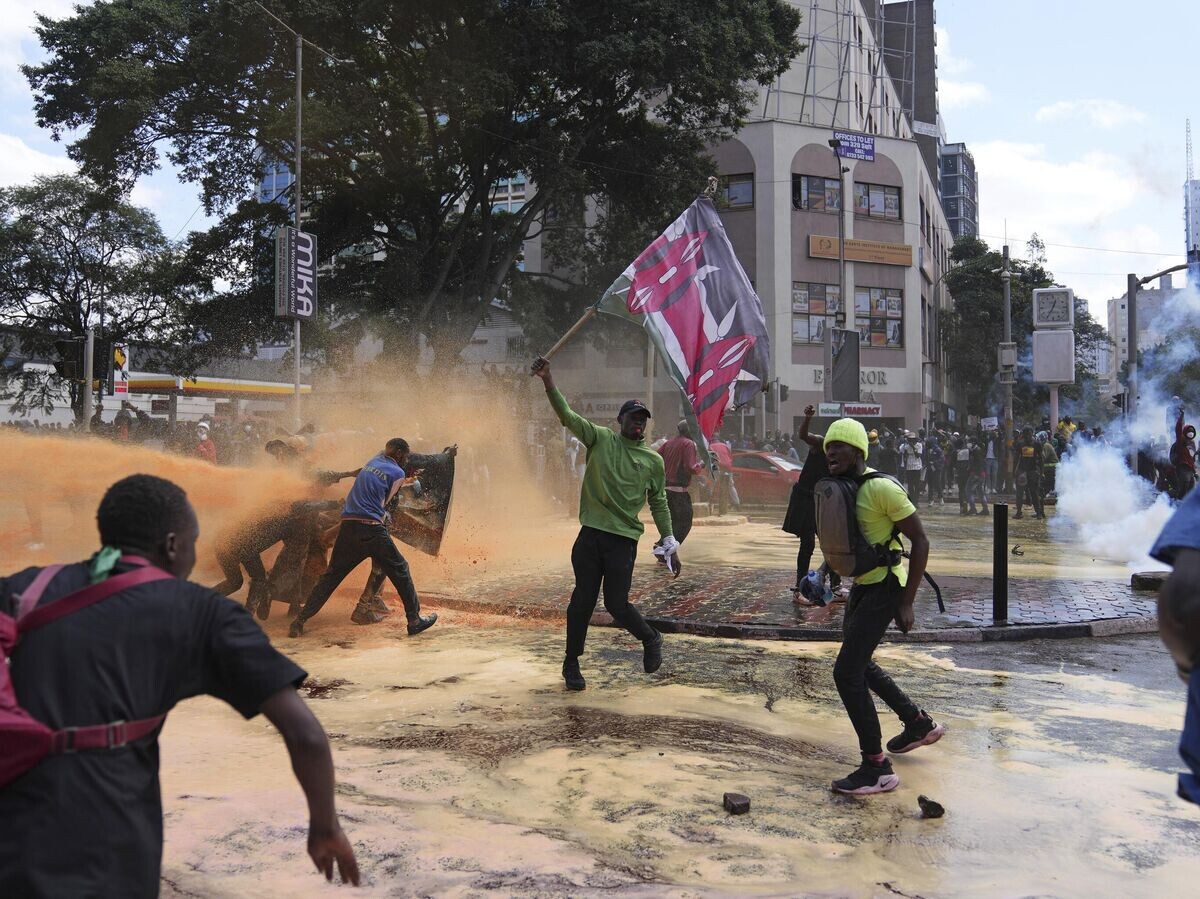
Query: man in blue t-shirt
x,y
1179,624
364,536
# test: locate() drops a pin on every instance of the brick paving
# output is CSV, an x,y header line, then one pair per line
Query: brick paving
x,y
755,602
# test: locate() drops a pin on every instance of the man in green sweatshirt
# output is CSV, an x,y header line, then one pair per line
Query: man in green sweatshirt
x,y
621,473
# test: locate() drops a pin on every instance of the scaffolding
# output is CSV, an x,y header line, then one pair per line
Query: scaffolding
x,y
849,78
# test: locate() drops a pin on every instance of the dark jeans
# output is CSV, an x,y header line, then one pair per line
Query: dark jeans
x,y
869,611
962,474
933,477
913,480
1031,493
680,507
356,541
808,544
600,558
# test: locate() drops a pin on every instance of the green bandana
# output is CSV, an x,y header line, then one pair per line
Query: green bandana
x,y
100,566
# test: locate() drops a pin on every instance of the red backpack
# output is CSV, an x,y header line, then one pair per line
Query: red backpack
x,y
25,741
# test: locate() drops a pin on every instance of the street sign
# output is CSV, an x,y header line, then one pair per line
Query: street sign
x,y
295,274
120,363
855,146
1054,357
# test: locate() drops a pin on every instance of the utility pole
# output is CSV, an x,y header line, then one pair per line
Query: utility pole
x,y
296,184
89,351
1008,352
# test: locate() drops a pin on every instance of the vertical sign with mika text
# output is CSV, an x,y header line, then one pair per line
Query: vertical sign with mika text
x,y
295,274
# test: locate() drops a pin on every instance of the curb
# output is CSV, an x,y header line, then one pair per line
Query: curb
x,y
1105,627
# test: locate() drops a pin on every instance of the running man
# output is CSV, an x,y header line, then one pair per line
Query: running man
x,y
363,535
622,472
878,597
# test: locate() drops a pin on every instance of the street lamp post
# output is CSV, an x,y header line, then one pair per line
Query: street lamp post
x,y
296,185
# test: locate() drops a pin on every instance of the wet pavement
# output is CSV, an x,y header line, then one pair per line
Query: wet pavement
x,y
466,770
757,603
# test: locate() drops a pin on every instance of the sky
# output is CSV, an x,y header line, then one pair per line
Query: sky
x,y
1073,110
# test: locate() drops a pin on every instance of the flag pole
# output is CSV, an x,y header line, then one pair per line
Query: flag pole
x,y
575,329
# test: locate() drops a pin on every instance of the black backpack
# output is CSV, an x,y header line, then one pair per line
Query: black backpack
x,y
843,544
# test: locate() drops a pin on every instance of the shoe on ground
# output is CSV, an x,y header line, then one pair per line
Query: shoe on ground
x,y
1018,516
364,614
421,624
922,732
378,606
652,654
297,627
571,675
868,778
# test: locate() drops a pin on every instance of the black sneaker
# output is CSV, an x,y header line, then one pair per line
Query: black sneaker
x,y
572,675
868,778
421,624
922,732
297,628
652,654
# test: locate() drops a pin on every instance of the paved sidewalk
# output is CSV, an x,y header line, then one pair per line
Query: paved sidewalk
x,y
756,603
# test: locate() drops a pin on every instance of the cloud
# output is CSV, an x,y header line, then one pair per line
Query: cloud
x,y
18,43
20,163
1095,199
1101,113
954,93
961,94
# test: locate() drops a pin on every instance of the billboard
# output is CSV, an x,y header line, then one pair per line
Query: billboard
x,y
855,146
295,274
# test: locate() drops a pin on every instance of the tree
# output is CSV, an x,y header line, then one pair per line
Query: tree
x,y
972,332
73,256
607,108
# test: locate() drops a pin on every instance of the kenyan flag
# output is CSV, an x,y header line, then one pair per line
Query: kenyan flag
x,y
690,293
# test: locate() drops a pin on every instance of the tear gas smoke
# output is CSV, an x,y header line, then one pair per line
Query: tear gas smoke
x,y
1117,514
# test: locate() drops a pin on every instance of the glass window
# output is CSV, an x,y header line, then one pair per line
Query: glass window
x,y
814,308
878,316
877,201
816,194
739,191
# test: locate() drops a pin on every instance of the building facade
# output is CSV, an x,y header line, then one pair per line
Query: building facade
x,y
960,190
783,198
1150,305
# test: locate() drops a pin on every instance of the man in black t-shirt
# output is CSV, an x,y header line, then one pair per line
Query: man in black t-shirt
x,y
801,516
89,823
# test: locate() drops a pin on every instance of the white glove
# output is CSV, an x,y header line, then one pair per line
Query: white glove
x,y
665,550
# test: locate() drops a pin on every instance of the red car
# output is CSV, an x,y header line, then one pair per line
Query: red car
x,y
764,477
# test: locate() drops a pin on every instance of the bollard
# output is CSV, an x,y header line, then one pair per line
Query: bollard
x,y
1000,563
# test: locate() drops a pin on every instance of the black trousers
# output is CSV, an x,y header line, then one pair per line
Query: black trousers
x,y
356,541
869,611
1031,493
680,507
913,480
231,566
602,559
962,473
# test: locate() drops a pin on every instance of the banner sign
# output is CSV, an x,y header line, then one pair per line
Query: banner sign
x,y
295,274
120,362
990,423
829,410
855,146
822,247
862,410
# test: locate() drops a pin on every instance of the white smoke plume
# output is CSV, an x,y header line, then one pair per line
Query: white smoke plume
x,y
1117,514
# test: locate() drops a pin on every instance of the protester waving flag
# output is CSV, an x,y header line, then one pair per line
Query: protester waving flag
x,y
690,293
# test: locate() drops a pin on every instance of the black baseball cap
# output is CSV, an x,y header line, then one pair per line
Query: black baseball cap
x,y
633,406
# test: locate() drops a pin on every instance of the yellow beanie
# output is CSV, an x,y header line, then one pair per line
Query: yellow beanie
x,y
847,430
